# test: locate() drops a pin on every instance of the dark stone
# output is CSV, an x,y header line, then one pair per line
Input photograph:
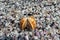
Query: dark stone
x,y
34,6
1,14
43,28
22,8
24,14
56,27
52,24
19,31
12,21
8,29
29,14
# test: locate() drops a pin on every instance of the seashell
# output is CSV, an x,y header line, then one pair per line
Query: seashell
x,y
28,22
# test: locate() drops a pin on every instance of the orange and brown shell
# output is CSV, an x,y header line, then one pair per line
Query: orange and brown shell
x,y
30,21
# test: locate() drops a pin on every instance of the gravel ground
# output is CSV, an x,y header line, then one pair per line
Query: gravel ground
x,y
46,13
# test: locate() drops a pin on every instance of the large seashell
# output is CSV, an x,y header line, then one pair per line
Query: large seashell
x,y
28,22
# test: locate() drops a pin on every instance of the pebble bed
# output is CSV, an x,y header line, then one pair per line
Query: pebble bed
x,y
46,13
